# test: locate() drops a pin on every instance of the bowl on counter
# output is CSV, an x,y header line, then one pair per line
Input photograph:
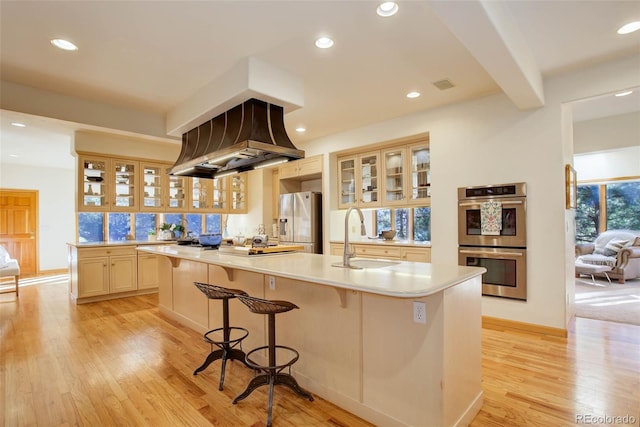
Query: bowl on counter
x,y
388,234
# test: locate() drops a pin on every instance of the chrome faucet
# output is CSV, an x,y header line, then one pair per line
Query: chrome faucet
x,y
363,231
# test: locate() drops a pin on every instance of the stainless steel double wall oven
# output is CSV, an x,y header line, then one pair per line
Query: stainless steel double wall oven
x,y
503,254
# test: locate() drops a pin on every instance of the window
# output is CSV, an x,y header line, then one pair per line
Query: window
x,y
145,222
90,227
408,222
607,206
422,224
213,223
119,226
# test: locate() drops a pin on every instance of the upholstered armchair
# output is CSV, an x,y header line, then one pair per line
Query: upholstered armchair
x,y
619,249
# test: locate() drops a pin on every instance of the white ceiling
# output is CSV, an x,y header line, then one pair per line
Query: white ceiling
x,y
153,55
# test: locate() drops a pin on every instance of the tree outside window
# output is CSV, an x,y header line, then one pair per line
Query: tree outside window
x,y
90,227
609,206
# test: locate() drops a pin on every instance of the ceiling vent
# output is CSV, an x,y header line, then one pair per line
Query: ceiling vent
x,y
443,84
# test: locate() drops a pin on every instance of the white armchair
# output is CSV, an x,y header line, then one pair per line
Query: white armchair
x,y
8,268
619,249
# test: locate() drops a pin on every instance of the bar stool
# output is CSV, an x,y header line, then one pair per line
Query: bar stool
x,y
272,373
227,347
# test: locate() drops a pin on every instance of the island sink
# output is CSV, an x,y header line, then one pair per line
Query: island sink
x,y
361,263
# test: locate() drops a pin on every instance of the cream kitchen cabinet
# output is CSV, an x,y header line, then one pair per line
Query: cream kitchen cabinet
x,y
406,175
218,195
397,175
238,193
307,167
148,271
419,179
385,250
100,271
154,187
108,184
359,180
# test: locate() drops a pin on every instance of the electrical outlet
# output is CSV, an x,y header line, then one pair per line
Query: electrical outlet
x,y
272,283
419,312
353,228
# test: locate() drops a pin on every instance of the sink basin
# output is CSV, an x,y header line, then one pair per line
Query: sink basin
x,y
368,263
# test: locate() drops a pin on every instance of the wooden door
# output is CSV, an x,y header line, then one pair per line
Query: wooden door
x,y
19,226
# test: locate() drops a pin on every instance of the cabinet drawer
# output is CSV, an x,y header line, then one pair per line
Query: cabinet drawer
x,y
373,251
106,251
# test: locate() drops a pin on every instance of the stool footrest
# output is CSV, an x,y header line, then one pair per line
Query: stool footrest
x,y
276,379
231,342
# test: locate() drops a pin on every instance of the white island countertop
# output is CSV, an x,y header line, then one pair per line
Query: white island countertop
x,y
402,279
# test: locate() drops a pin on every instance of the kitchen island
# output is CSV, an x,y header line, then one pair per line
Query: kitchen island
x,y
359,345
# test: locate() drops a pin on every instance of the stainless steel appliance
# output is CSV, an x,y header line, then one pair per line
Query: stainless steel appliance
x,y
504,252
512,197
301,220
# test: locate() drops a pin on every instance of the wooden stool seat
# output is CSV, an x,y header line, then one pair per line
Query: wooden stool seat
x,y
226,348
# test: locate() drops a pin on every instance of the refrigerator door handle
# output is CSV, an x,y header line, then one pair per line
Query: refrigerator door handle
x,y
283,226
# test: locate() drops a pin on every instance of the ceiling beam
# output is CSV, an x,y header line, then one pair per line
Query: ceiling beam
x,y
486,29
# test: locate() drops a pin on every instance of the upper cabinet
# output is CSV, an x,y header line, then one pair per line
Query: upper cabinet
x,y
93,181
153,186
238,187
394,176
106,184
359,180
302,168
109,185
420,170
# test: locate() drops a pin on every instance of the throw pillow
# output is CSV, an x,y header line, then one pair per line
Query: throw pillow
x,y
636,242
613,247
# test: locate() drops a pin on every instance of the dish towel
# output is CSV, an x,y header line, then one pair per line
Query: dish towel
x,y
490,218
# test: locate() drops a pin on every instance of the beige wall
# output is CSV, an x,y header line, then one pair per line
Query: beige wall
x,y
489,141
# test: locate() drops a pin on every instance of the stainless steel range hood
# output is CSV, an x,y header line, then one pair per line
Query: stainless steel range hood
x,y
246,137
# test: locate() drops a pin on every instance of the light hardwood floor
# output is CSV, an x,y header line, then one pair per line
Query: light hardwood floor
x,y
122,363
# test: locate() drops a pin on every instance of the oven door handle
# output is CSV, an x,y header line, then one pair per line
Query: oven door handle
x,y
494,254
513,202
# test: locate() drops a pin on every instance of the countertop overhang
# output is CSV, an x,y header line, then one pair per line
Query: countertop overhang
x,y
401,280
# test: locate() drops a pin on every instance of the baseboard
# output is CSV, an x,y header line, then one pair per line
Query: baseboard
x,y
54,271
512,325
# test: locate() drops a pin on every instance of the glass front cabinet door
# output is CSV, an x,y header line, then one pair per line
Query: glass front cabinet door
x,y
347,182
152,185
220,194
420,174
201,195
238,193
176,194
394,169
369,170
124,185
94,180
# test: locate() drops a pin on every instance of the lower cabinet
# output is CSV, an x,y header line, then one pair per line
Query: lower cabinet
x,y
148,271
404,253
110,272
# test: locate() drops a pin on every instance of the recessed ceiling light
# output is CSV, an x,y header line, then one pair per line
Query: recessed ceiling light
x,y
413,94
629,28
324,42
301,129
14,155
387,8
18,124
625,93
64,44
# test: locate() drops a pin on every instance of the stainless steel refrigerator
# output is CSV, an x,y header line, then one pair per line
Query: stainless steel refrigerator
x,y
301,220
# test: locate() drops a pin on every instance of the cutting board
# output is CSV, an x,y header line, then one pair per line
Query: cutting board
x,y
275,249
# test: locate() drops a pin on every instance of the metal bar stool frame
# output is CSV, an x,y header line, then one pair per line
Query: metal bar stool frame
x,y
227,347
272,374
